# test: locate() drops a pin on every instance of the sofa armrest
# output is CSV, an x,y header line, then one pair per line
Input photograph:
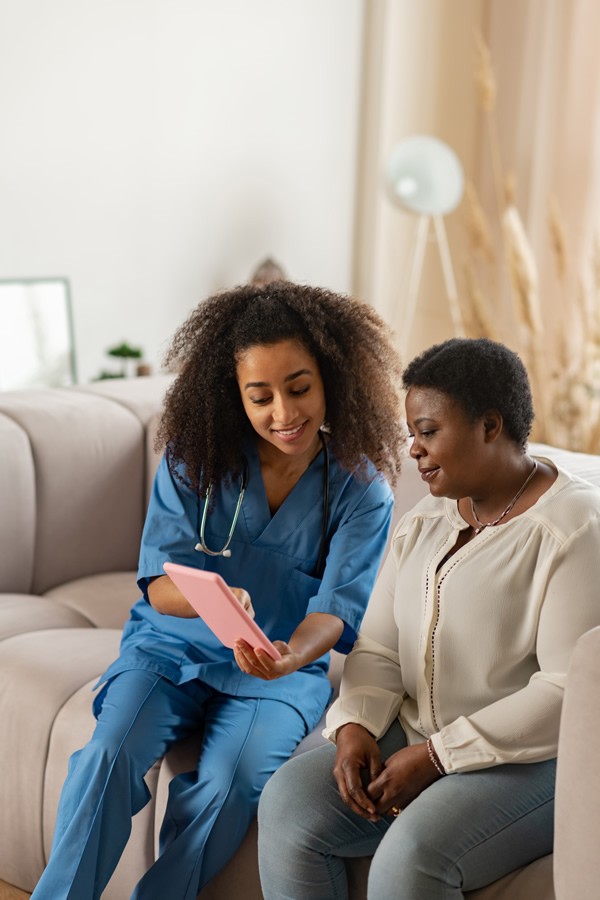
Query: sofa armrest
x,y
576,858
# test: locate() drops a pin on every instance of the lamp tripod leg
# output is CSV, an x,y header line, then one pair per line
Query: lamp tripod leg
x,y
415,278
450,282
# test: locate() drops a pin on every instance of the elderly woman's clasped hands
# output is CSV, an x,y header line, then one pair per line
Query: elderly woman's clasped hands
x,y
372,786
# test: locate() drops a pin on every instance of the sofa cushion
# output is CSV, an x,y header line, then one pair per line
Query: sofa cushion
x,y
41,670
71,729
100,600
21,613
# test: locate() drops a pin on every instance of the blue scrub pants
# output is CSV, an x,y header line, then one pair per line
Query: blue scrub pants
x,y
209,810
462,833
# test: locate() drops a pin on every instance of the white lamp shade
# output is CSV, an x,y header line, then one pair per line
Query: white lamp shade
x,y
424,175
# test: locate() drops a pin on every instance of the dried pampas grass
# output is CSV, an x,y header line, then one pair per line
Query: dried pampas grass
x,y
557,237
485,81
595,300
481,322
484,74
522,269
510,189
477,226
566,393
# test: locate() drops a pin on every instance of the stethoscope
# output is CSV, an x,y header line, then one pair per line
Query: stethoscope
x,y
226,552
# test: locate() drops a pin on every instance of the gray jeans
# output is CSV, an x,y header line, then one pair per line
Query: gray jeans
x,y
462,833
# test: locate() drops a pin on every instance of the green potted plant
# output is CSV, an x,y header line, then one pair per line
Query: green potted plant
x,y
127,355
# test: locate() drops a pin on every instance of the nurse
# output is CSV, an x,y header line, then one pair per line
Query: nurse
x,y
278,433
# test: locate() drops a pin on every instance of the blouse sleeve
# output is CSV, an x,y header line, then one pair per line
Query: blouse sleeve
x,y
371,692
355,553
523,726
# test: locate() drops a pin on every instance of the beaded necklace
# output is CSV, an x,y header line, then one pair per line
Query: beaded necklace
x,y
483,525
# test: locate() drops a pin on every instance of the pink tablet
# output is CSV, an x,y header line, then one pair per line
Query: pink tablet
x,y
218,606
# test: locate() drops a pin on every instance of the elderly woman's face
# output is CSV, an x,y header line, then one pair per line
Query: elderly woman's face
x,y
445,442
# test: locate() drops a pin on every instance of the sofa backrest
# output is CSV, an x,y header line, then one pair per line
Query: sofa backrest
x,y
76,465
17,507
73,482
584,465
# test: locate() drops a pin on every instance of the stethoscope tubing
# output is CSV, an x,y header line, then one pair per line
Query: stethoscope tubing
x,y
202,547
224,551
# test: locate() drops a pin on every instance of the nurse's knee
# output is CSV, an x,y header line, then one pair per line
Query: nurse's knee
x,y
109,751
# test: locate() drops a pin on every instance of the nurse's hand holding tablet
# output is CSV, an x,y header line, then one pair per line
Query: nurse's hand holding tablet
x,y
225,612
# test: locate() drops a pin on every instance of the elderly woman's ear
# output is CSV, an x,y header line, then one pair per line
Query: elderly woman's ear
x,y
493,425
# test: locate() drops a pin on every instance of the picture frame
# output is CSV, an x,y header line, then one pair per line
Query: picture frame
x,y
37,347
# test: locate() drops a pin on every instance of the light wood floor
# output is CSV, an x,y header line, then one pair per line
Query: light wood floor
x,y
8,892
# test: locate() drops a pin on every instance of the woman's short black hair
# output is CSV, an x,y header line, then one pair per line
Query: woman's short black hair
x,y
204,423
479,375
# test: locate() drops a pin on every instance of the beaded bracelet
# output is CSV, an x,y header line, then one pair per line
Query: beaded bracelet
x,y
433,757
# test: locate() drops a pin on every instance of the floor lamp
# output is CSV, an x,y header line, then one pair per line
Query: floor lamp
x,y
424,177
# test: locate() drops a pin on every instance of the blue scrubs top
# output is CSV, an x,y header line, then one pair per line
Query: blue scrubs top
x,y
272,557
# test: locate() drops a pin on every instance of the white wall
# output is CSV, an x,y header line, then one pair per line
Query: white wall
x,y
153,151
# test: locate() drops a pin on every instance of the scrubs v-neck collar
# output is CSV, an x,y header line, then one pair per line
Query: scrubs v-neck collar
x,y
259,522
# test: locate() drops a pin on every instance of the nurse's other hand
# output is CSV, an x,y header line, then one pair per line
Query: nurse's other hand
x,y
243,598
261,665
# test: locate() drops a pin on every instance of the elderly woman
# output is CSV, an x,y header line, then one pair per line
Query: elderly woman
x,y
446,728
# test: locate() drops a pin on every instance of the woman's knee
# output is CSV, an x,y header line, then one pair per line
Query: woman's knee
x,y
296,796
406,862
280,793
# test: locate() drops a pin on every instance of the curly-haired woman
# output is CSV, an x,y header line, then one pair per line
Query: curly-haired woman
x,y
278,429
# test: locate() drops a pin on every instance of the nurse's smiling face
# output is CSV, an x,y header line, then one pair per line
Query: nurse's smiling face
x,y
283,396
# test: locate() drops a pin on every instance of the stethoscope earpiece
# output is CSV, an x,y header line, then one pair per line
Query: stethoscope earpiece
x,y
202,549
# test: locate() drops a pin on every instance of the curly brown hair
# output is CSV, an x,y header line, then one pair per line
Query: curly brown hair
x,y
204,424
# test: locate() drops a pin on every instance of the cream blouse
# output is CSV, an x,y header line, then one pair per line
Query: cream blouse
x,y
475,655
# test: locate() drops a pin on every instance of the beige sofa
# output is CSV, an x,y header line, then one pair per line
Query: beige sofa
x,y
75,470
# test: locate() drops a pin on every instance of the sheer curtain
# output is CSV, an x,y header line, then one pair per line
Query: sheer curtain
x,y
543,131
548,114
417,79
